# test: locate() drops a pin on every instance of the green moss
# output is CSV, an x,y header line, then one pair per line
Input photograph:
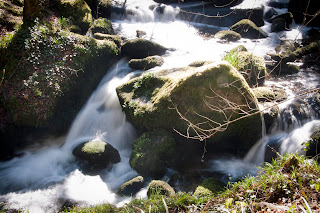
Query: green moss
x,y
208,188
158,187
102,25
199,63
247,29
228,35
94,147
115,38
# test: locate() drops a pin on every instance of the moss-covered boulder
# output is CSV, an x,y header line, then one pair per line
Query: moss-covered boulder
x,y
102,25
159,187
252,67
114,38
78,11
312,146
146,63
131,187
141,48
270,116
282,68
199,63
228,35
269,94
97,153
278,25
160,101
247,29
288,18
153,152
209,187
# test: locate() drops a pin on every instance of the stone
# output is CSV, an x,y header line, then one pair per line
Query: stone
x,y
228,35
159,187
131,187
208,188
299,8
269,94
97,153
247,29
146,63
102,25
141,48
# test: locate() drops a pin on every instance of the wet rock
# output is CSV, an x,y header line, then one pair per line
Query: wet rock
x,y
247,29
228,35
269,94
158,187
140,33
282,68
278,25
146,63
131,187
270,117
149,101
313,146
153,152
199,63
269,14
97,153
209,187
141,48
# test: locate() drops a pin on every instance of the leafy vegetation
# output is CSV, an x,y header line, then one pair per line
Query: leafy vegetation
x,y
289,184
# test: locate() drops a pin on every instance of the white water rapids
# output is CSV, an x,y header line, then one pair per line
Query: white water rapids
x,y
41,180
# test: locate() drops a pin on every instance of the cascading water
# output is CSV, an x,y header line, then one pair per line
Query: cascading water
x,y
42,180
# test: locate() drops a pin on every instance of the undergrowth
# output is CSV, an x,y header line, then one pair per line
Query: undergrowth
x,y
288,184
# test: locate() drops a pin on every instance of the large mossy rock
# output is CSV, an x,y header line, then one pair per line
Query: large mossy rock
x,y
146,63
159,187
269,94
141,48
78,11
102,25
131,187
252,67
153,152
152,101
209,187
247,29
97,153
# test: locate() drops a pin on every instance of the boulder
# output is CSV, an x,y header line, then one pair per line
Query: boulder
x,y
97,153
252,67
299,9
269,14
101,25
131,187
313,145
115,38
78,11
199,63
247,29
208,188
159,187
288,17
269,94
152,152
270,117
160,100
146,63
278,25
141,48
282,68
228,35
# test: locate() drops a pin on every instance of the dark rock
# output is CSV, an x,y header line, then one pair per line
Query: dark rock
x,y
141,48
288,17
282,68
270,117
278,25
131,187
304,11
268,94
269,14
247,29
276,4
97,153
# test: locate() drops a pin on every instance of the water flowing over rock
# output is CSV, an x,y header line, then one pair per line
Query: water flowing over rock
x,y
202,95
97,153
141,48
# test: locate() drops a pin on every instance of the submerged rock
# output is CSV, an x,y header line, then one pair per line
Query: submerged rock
x,y
97,153
146,63
160,101
131,187
141,48
159,187
247,29
152,152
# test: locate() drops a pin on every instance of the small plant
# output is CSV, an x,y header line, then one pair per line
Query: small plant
x,y
144,80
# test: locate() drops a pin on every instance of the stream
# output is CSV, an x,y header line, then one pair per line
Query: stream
x,y
44,178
